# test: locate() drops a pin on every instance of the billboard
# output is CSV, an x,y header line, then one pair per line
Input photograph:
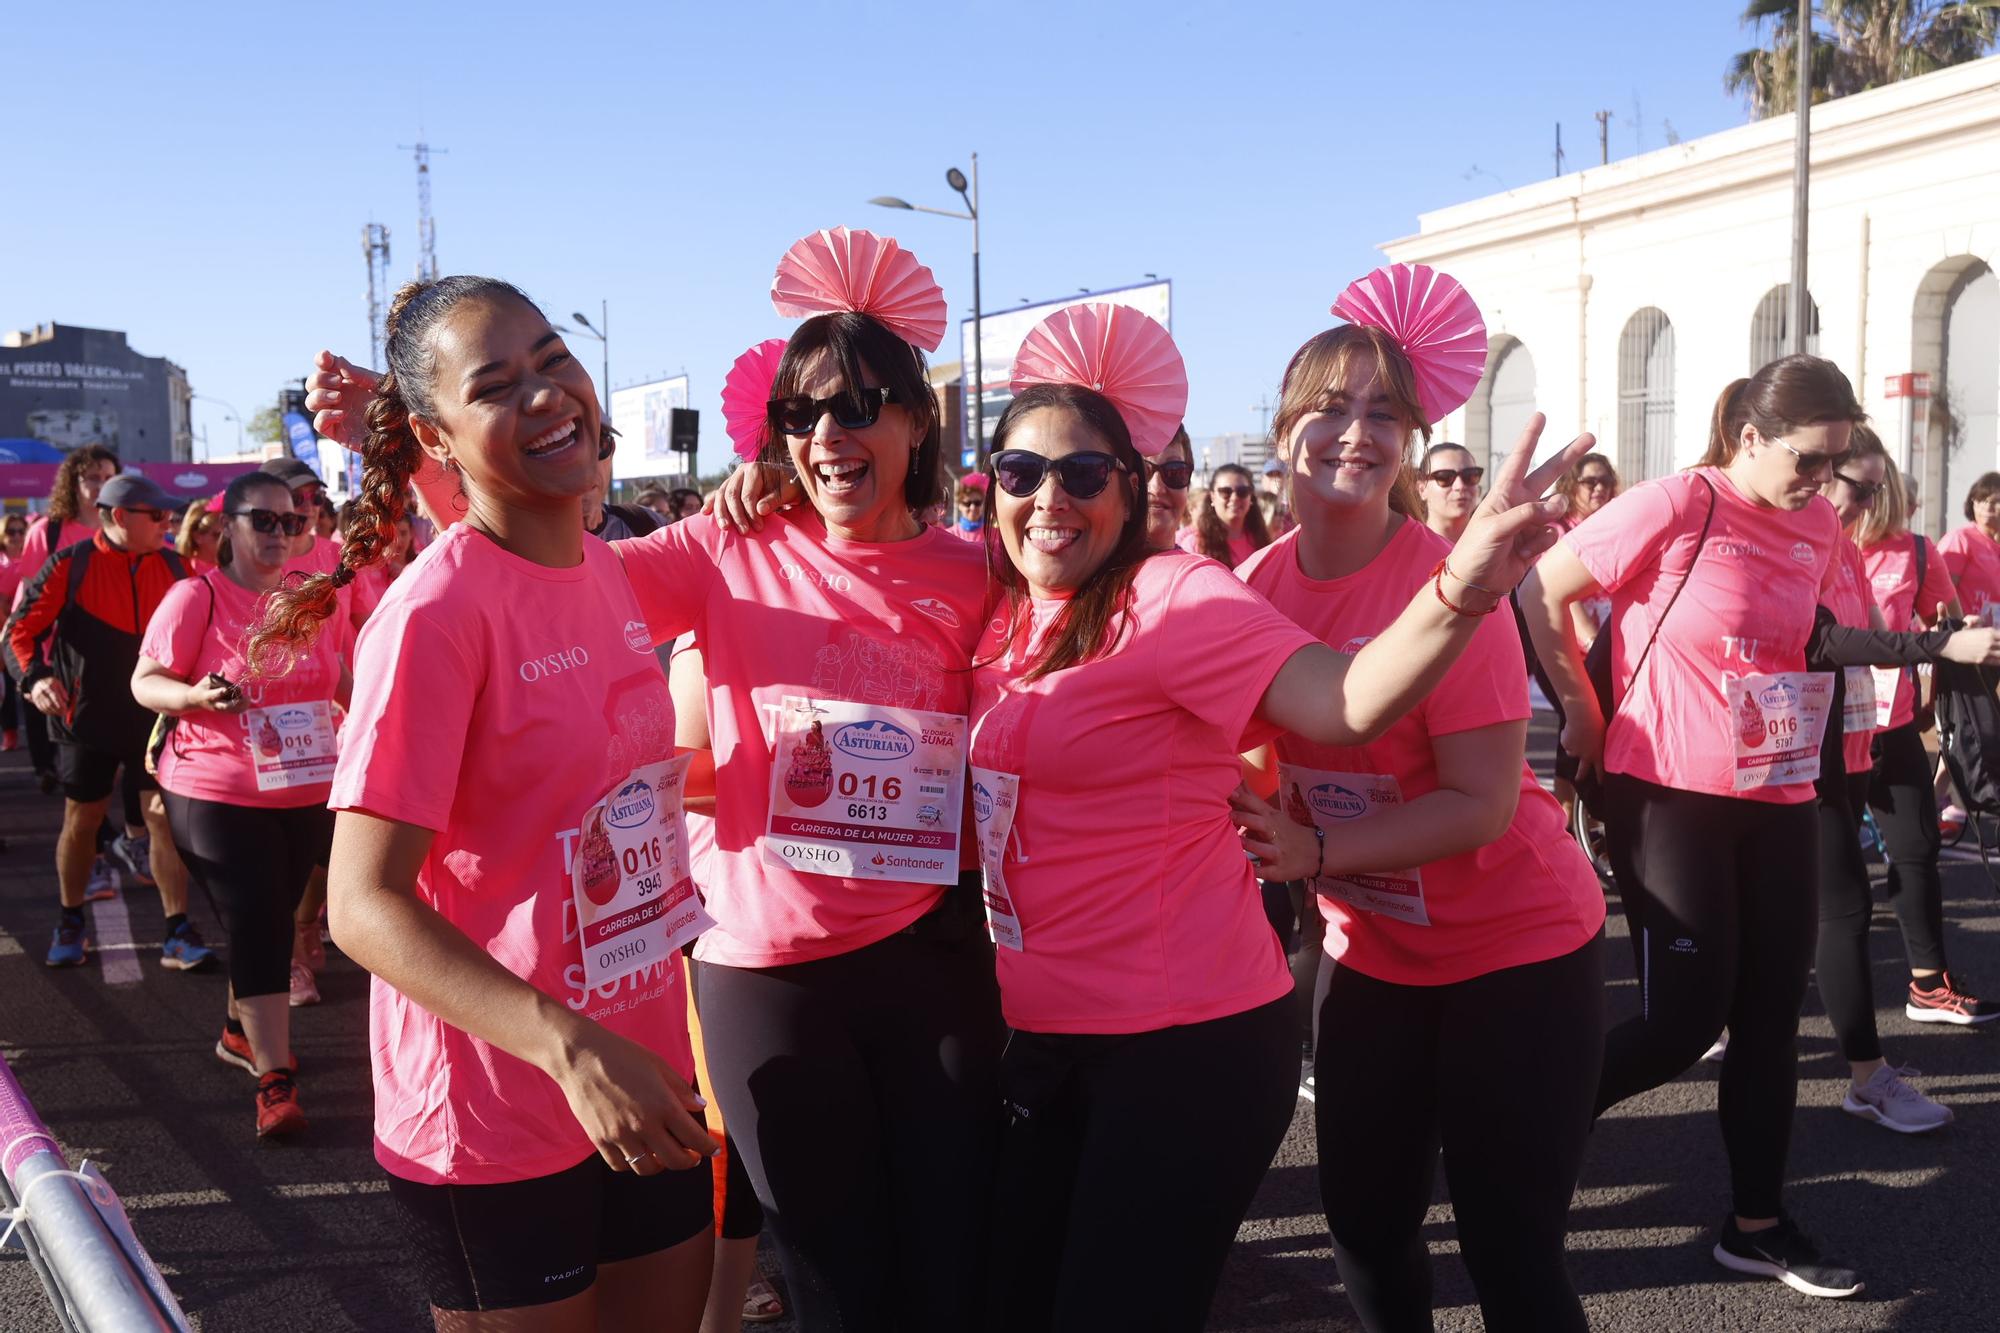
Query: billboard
x,y
1000,336
643,417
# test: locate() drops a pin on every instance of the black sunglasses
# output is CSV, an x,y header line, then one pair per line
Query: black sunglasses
x,y
1082,475
800,414
1807,464
1447,476
263,520
1864,491
1176,475
1238,492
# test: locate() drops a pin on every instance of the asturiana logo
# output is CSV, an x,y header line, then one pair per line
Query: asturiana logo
x,y
637,637
190,481
874,740
1336,802
631,806
937,611
1802,552
294,719
1778,694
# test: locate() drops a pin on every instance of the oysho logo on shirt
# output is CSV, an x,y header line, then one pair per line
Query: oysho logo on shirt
x,y
1737,548
638,637
554,664
802,573
937,610
1802,552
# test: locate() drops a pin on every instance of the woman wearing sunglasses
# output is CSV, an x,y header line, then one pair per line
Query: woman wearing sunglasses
x,y
1167,481
1230,524
1448,489
245,772
1137,969
1459,915
1709,763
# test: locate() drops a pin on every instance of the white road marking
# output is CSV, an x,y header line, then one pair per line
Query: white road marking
x,y
117,955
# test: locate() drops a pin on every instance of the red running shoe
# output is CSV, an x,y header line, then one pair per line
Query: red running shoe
x,y
1947,1004
278,1113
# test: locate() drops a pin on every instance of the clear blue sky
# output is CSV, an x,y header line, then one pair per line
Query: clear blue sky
x,y
199,175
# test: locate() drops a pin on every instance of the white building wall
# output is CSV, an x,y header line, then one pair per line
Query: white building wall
x,y
1905,193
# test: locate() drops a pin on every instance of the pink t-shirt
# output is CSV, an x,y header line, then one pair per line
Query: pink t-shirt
x,y
1748,610
208,757
370,584
37,547
790,610
1240,546
496,701
13,572
1850,599
1892,574
1525,898
1973,559
1138,908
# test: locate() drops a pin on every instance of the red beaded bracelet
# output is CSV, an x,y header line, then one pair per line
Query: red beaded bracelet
x,y
1437,586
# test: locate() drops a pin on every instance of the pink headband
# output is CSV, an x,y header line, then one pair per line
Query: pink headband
x,y
843,271
1119,352
1433,319
746,396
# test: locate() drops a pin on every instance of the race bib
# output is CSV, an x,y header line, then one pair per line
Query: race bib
x,y
1887,681
1861,703
866,791
291,745
1317,798
1778,721
635,901
995,795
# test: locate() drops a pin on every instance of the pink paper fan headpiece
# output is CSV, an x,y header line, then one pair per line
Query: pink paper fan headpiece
x,y
843,270
746,396
1119,352
1434,320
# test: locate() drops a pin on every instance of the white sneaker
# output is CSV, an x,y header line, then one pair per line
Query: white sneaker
x,y
304,989
1713,1055
1894,1104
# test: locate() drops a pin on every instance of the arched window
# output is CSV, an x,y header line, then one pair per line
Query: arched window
x,y
1771,327
1955,433
1646,396
1502,403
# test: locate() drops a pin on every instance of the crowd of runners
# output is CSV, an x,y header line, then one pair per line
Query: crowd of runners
x,y
952,872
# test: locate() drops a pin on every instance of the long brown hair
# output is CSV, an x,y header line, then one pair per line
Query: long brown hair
x,y
390,457
1791,392
1323,363
66,495
1572,480
1213,534
1092,621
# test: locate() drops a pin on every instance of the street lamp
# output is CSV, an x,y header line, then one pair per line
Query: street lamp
x,y
230,415
598,331
969,192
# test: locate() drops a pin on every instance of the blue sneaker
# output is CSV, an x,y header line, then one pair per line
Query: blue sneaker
x,y
183,950
71,942
136,855
105,881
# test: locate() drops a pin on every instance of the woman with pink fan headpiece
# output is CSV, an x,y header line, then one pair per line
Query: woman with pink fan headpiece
x,y
1149,997
1458,911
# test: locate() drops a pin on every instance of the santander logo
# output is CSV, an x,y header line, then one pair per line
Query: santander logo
x,y
937,611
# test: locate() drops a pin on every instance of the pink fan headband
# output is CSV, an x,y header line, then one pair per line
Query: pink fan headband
x,y
1116,351
746,396
1435,323
851,271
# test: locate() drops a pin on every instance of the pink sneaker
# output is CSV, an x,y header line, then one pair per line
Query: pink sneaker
x,y
304,989
308,948
1951,822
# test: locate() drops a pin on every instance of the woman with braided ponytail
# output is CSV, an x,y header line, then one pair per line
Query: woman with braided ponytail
x,y
532,1098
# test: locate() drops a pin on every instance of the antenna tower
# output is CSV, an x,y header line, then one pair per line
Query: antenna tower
x,y
375,246
427,262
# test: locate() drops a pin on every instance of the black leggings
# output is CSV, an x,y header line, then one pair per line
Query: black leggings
x,y
1720,895
1127,1164
1498,1071
861,1092
1845,904
1905,807
252,863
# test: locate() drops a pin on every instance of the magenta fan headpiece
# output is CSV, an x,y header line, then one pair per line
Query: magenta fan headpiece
x,y
746,396
844,270
1119,352
1434,320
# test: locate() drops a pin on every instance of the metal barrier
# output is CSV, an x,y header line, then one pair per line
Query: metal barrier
x,y
99,1278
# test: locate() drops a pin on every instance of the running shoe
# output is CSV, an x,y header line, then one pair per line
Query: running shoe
x,y
761,1304
183,950
1947,1004
72,941
10,739
1713,1055
1951,822
105,881
309,948
1893,1104
1787,1254
233,1048
305,990
136,855
278,1113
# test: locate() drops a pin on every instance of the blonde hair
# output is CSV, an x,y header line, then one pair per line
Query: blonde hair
x,y
1890,514
1324,363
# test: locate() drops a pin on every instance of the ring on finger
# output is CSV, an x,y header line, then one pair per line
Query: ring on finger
x,y
634,1160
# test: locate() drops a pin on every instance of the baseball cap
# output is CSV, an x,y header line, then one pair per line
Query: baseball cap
x,y
292,471
1274,467
129,490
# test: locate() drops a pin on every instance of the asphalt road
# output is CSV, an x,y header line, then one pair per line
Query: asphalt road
x,y
302,1237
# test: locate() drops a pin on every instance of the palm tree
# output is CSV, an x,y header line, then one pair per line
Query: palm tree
x,y
1856,45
